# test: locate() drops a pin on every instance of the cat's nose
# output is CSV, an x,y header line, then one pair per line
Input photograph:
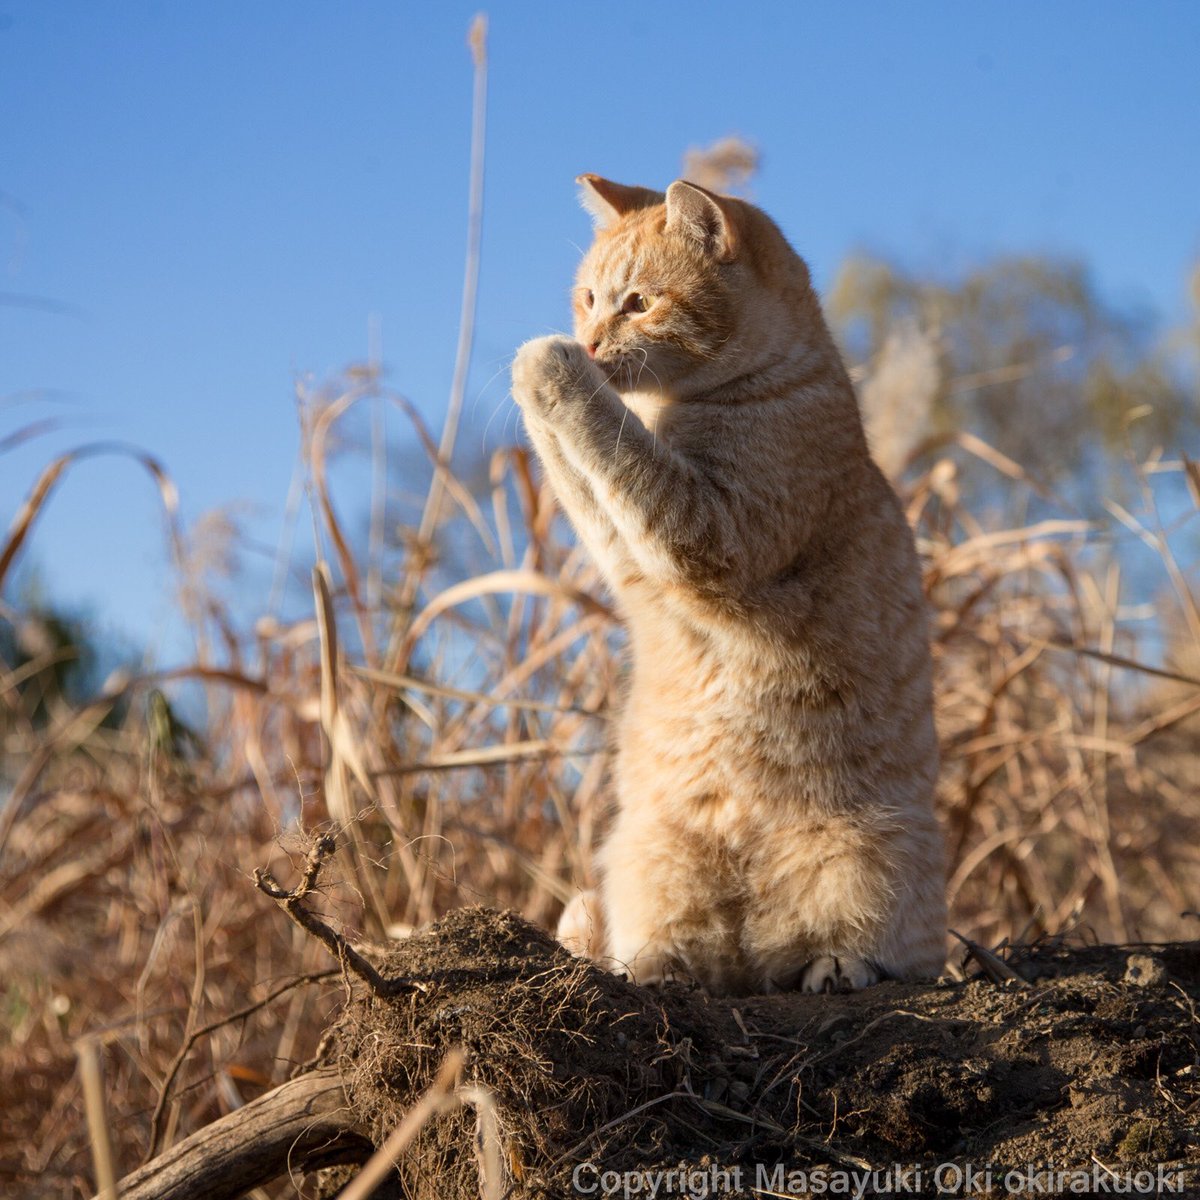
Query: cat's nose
x,y
592,347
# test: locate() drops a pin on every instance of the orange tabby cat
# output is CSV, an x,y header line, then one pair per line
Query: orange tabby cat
x,y
776,756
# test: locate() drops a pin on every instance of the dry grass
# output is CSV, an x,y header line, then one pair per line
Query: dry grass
x,y
727,165
455,729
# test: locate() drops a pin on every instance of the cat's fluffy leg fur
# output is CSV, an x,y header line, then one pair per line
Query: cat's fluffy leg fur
x,y
575,494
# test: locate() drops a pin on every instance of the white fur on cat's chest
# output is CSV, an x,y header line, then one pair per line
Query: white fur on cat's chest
x,y
648,407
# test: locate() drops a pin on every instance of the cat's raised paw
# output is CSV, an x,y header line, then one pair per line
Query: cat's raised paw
x,y
548,371
841,973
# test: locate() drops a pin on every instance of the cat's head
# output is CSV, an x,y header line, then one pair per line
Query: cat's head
x,y
684,289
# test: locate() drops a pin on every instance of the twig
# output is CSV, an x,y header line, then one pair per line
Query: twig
x,y
486,756
487,1139
477,40
204,1031
820,1149
567,1155
992,965
193,1012
292,903
97,1119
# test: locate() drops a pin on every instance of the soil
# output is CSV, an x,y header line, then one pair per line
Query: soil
x,y
1088,1066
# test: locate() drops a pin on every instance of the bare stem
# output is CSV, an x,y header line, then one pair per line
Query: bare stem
x,y
292,902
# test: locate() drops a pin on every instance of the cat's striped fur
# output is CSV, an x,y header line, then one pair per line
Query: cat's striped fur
x,y
776,755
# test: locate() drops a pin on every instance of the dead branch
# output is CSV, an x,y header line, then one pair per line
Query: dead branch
x,y
292,902
301,1125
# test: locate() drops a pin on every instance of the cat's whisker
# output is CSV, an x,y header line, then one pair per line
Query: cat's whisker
x,y
620,431
647,367
605,384
645,359
512,407
505,367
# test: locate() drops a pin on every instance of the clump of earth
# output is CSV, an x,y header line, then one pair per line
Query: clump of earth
x,y
1086,1066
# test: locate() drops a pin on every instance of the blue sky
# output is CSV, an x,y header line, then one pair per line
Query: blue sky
x,y
218,198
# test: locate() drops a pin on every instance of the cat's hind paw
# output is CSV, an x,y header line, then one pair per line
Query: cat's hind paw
x,y
647,965
838,973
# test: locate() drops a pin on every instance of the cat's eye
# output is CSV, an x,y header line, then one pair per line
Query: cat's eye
x,y
588,298
635,302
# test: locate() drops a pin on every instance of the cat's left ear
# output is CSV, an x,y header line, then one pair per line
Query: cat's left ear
x,y
606,201
704,217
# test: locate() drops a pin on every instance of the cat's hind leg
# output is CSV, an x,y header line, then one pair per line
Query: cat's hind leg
x,y
671,905
914,943
581,927
821,903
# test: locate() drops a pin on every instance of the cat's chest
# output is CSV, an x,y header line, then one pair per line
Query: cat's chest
x,y
650,408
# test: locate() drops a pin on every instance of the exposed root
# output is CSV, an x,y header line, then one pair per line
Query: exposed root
x,y
292,902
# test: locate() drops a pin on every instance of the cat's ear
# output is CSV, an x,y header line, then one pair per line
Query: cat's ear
x,y
606,201
704,217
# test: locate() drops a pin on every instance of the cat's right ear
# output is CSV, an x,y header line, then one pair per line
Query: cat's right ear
x,y
704,217
606,201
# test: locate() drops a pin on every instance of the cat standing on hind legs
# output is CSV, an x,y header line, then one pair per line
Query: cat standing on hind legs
x,y
776,756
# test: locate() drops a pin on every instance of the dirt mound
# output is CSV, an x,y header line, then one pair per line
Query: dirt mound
x,y
1090,1065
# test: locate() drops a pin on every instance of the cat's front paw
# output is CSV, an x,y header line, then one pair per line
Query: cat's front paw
x,y
549,371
